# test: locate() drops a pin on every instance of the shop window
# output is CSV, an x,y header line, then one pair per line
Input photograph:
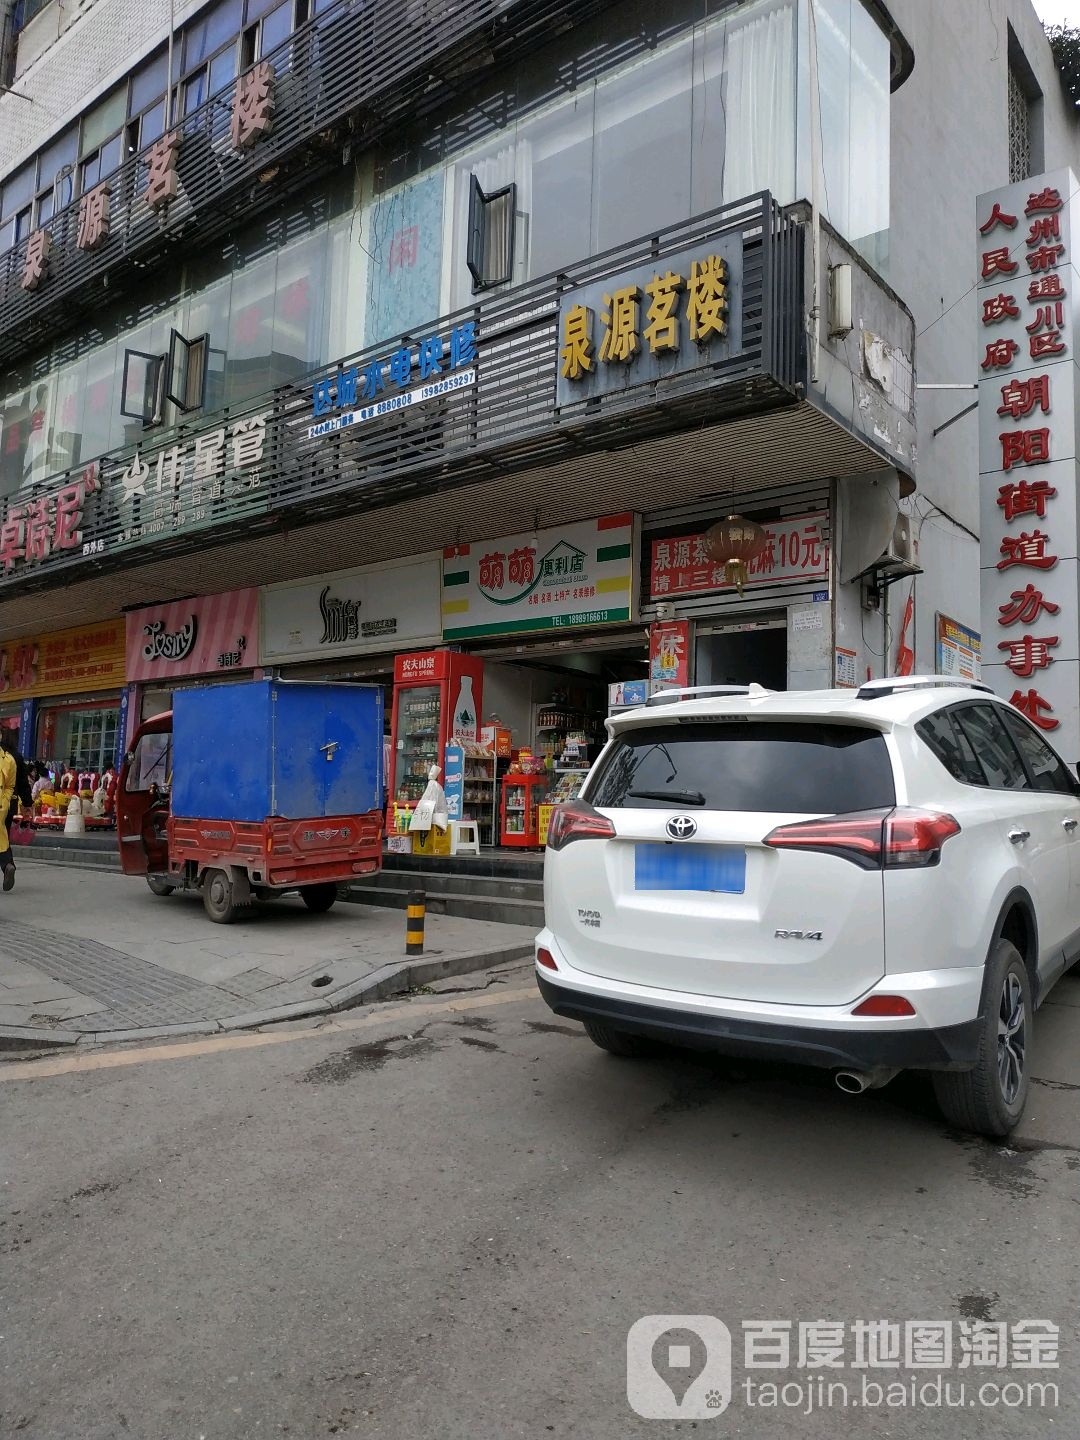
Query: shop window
x,y
490,249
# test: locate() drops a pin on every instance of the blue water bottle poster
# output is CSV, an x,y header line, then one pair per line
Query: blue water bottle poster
x,y
454,780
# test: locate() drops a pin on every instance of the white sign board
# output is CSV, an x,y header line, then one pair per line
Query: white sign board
x,y
1028,295
376,608
578,574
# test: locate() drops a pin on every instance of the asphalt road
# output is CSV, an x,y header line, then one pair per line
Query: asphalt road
x,y
436,1221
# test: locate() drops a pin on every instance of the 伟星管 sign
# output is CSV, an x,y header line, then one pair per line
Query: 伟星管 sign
x,y
352,612
794,550
208,635
68,662
1028,289
580,574
650,323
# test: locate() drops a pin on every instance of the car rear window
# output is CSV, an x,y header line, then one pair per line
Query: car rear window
x,y
772,766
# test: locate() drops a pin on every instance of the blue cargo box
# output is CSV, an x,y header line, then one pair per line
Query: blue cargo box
x,y
277,747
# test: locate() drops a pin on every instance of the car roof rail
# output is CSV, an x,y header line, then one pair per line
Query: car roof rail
x,y
898,684
700,692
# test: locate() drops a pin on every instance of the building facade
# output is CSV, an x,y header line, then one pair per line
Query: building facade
x,y
361,329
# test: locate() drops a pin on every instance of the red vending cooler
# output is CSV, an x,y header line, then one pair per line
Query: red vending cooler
x,y
438,696
522,796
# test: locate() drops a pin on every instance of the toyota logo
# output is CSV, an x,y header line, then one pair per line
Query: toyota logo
x,y
681,827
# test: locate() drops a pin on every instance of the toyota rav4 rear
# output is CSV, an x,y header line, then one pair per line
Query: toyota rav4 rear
x,y
782,876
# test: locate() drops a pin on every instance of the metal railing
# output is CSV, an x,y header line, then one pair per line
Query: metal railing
x,y
345,77
506,422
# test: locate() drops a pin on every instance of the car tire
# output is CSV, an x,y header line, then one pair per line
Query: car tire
x,y
158,885
989,1099
318,898
615,1042
219,897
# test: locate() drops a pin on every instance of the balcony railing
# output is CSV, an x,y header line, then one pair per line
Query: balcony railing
x,y
508,421
346,77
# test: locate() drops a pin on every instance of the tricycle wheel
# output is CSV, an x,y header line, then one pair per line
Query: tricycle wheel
x,y
218,898
318,898
159,885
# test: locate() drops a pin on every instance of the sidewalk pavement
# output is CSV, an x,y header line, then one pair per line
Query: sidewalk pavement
x,y
89,956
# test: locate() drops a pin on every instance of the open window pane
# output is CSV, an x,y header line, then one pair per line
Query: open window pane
x,y
490,252
139,392
185,383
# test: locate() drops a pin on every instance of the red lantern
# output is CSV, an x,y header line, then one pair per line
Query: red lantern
x,y
733,542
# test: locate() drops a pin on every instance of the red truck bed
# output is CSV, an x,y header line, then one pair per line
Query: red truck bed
x,y
283,853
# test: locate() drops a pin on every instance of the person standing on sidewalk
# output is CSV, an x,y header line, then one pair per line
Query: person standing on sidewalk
x,y
9,779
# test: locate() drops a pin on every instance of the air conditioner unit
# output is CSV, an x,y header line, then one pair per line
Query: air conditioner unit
x,y
901,554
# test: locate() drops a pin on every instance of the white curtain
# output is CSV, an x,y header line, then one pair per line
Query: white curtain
x,y
759,151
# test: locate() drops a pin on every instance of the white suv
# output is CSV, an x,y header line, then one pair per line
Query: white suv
x,y
862,881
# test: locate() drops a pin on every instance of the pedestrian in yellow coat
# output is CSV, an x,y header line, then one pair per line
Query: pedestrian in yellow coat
x,y
8,776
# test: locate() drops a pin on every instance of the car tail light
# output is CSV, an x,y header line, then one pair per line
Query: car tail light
x,y
545,958
885,1005
576,820
872,839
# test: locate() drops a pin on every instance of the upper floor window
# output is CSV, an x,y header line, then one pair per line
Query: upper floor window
x,y
101,144
1019,129
25,10
1025,113
16,206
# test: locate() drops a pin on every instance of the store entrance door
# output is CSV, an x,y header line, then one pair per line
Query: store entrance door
x,y
742,654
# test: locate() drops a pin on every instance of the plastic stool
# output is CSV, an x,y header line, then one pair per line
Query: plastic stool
x,y
464,837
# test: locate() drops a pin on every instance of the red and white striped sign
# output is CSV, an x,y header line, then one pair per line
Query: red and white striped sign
x,y
208,635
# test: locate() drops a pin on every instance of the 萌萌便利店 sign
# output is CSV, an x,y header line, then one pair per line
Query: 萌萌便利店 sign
x,y
358,393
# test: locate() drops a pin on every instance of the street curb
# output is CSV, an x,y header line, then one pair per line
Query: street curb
x,y
387,981
251,1019
151,1032
16,1038
393,979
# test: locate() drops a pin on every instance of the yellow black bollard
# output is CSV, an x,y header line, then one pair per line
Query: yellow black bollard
x,y
414,923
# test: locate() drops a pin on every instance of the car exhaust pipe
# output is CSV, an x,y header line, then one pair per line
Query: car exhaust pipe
x,y
854,1082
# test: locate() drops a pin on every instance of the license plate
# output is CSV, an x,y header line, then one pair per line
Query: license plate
x,y
719,868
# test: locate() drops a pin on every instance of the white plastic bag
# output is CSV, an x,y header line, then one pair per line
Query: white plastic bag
x,y
431,812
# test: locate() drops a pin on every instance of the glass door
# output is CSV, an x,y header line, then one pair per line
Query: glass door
x,y
92,739
515,808
418,741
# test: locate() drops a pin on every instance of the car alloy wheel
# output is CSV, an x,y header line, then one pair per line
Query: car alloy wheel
x,y
1012,1038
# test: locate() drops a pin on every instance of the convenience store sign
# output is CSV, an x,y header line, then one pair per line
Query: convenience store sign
x,y
580,574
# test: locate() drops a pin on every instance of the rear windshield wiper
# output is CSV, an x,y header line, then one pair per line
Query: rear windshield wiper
x,y
677,797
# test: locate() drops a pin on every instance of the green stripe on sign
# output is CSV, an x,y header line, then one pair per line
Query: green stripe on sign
x,y
613,552
539,622
459,577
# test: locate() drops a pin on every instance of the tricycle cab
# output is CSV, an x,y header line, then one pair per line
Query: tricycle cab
x,y
142,799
